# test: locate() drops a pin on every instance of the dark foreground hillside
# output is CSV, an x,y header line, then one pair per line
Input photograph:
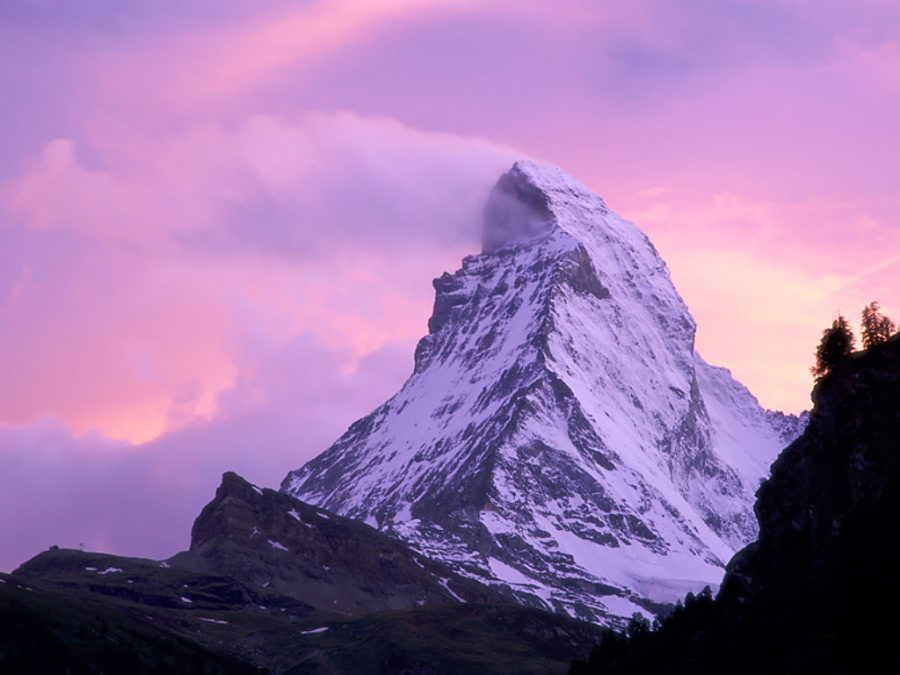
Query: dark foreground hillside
x,y
272,585
817,592
50,634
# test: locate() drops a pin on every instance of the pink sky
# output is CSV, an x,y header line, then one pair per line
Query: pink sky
x,y
219,223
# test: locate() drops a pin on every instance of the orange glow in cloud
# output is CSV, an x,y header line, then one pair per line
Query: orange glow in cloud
x,y
144,376
143,416
99,331
136,424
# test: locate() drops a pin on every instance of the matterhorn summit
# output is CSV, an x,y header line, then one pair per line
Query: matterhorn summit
x,y
560,438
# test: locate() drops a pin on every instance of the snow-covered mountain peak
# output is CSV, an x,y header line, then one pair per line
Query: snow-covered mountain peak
x,y
559,435
530,201
590,250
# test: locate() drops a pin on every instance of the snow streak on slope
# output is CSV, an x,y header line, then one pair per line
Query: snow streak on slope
x,y
559,435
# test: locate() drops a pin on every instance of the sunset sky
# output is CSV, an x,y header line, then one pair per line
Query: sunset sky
x,y
220,219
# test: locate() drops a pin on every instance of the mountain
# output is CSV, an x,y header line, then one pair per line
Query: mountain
x,y
815,592
333,564
559,437
273,585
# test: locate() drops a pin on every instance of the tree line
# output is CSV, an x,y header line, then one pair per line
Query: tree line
x,y
838,341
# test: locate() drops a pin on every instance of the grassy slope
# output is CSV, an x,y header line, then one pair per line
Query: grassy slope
x,y
48,633
223,627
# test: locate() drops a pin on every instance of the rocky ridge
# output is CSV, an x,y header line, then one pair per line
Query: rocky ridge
x,y
270,540
271,584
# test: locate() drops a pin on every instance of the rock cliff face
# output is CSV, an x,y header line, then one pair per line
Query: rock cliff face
x,y
255,547
559,436
816,592
837,484
269,540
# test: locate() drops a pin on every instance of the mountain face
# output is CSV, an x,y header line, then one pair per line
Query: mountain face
x,y
559,436
814,593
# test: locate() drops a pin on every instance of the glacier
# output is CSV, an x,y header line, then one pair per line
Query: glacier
x,y
560,438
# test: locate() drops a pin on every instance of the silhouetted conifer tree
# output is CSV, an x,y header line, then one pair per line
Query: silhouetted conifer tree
x,y
876,328
637,625
836,346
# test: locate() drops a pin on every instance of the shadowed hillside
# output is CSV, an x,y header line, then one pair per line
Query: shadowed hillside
x,y
816,593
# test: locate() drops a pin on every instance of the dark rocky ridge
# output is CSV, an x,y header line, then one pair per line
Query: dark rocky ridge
x,y
270,582
838,481
263,537
816,592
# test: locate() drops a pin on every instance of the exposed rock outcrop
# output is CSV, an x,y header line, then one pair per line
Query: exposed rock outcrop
x,y
272,583
266,538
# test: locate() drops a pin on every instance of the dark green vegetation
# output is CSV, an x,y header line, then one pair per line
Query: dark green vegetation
x,y
817,592
278,584
838,341
876,328
836,347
